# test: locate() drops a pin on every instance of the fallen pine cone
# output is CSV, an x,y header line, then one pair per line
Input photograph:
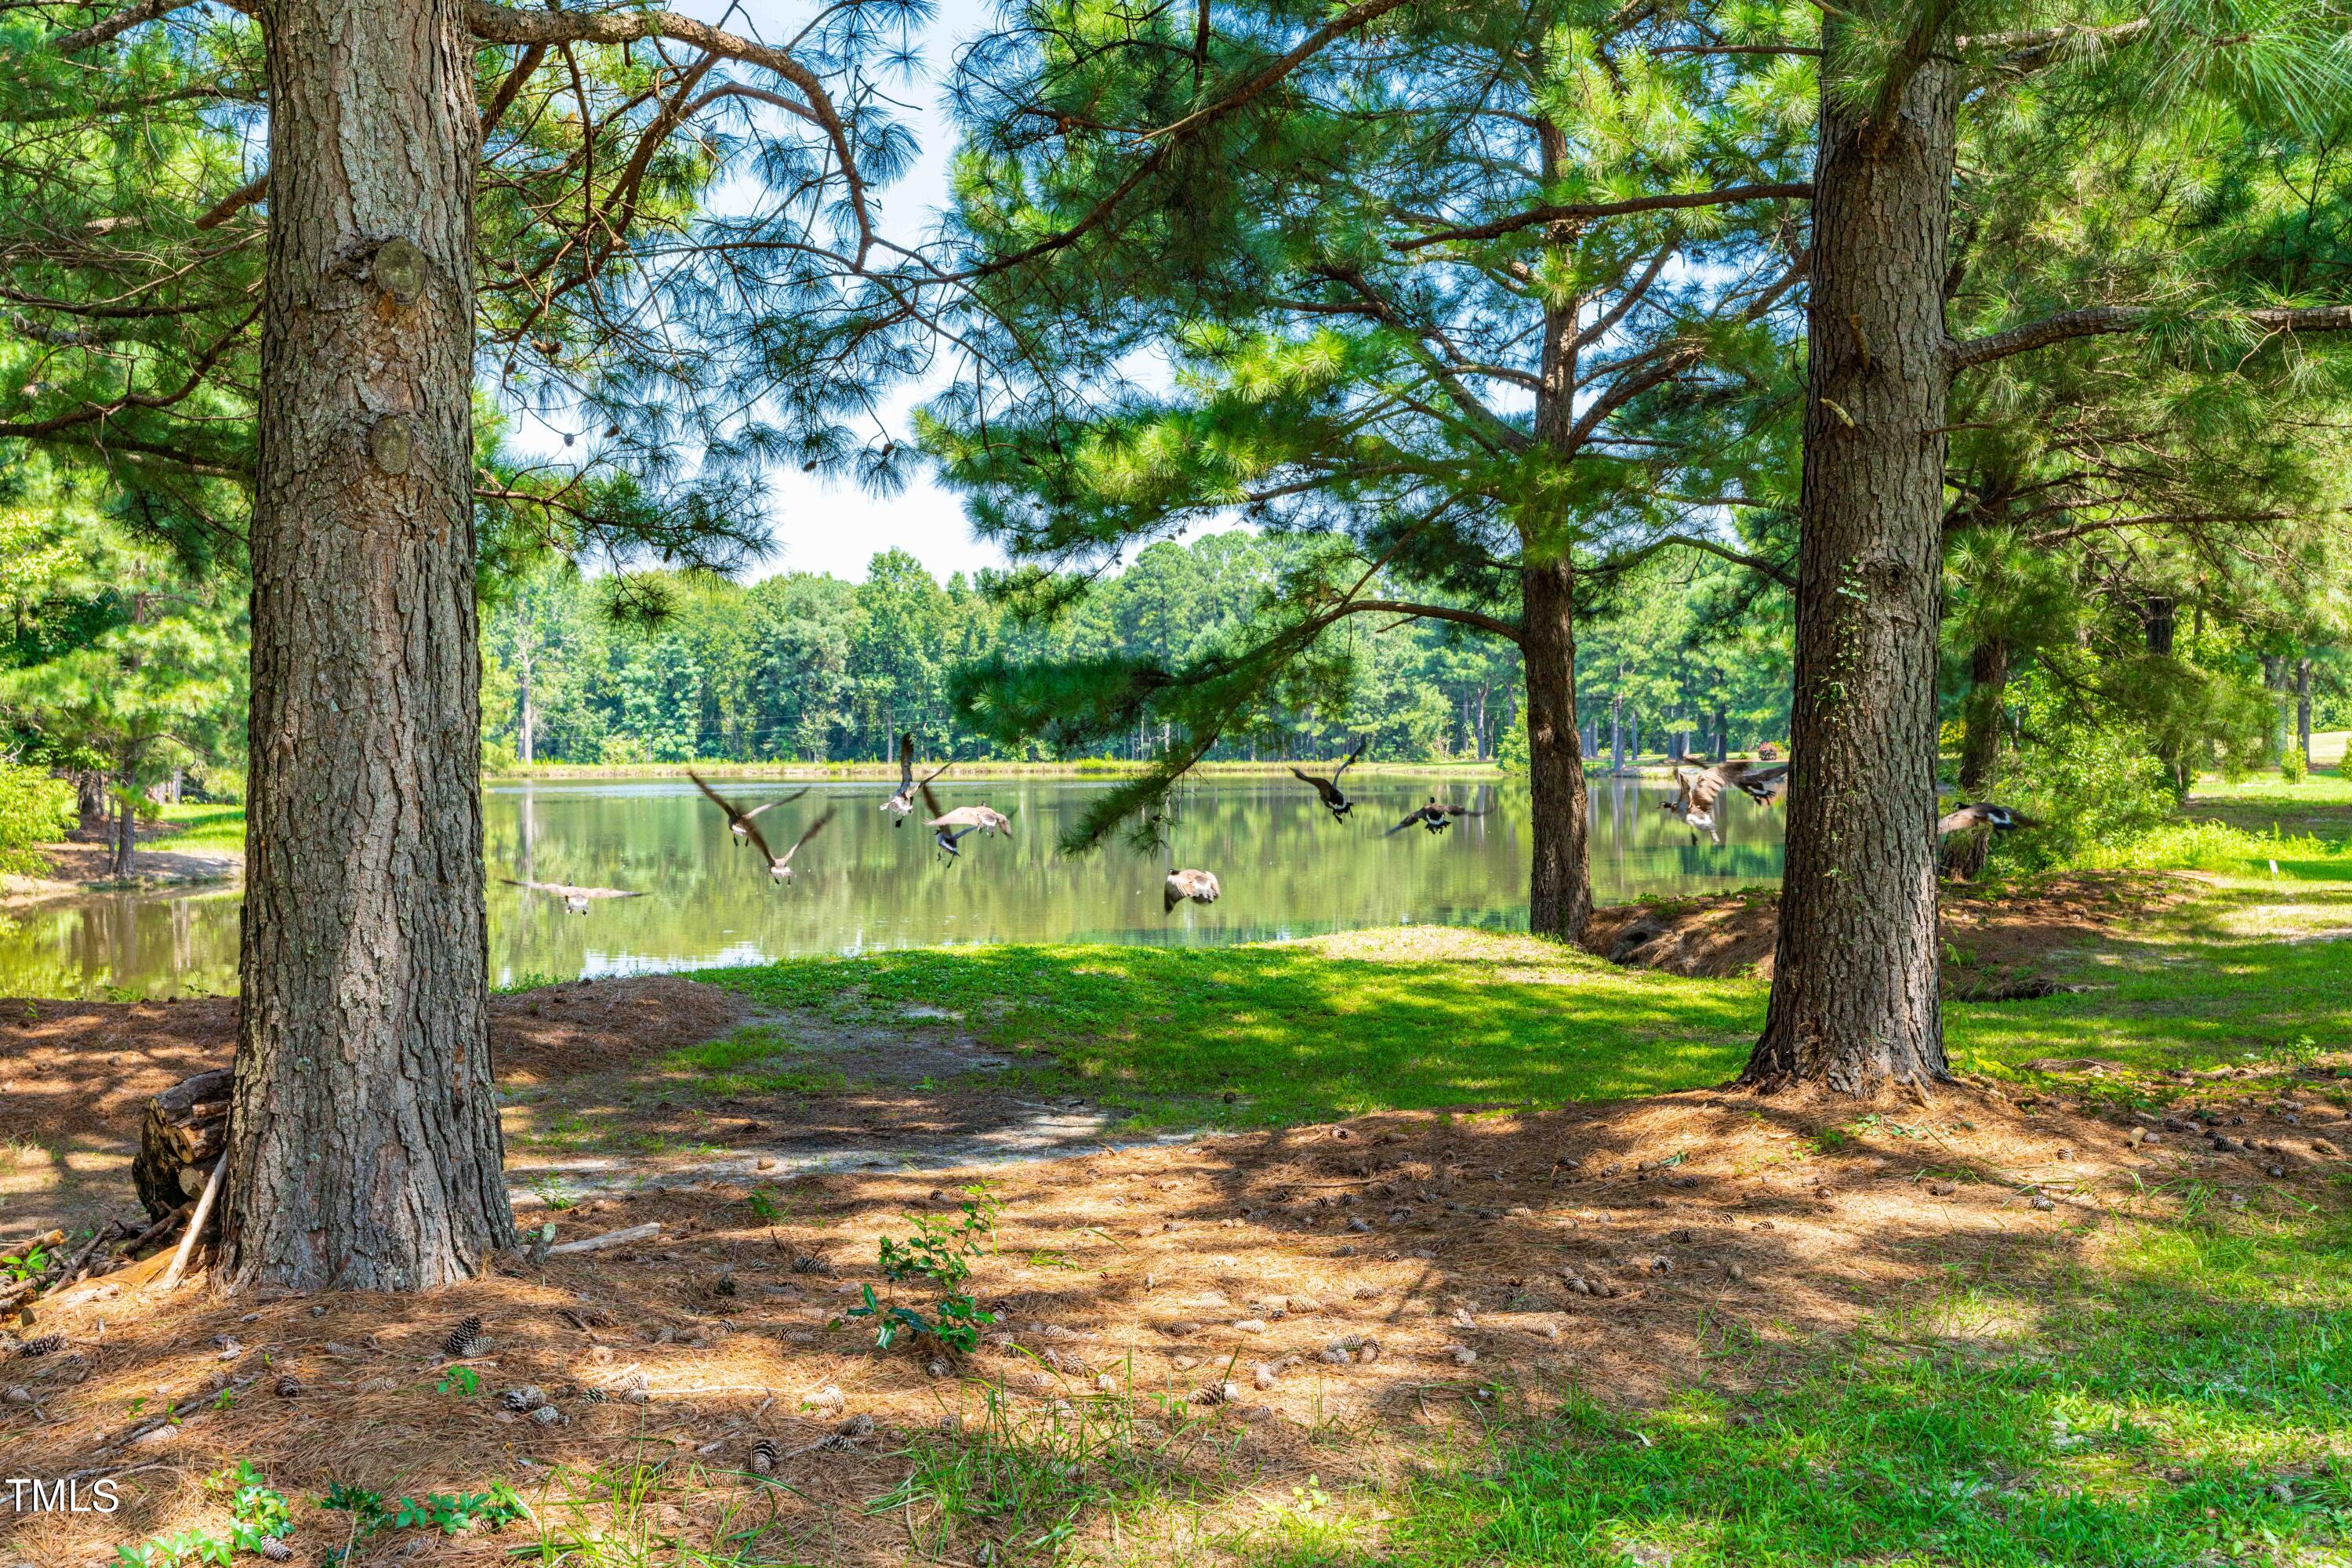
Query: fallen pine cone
x,y
458,1344
528,1397
763,1457
1217,1393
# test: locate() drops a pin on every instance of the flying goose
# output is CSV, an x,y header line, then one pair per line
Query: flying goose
x,y
780,867
575,900
901,804
739,822
1983,814
1435,818
1699,788
1338,805
985,817
1201,887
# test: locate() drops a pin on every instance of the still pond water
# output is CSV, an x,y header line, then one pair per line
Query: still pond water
x,y
1287,869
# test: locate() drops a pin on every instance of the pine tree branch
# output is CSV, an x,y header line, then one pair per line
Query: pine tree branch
x,y
1500,628
2097,319
235,201
107,29
1586,211
1164,141
1917,45
500,24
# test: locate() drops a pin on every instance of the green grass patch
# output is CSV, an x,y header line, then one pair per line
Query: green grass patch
x,y
202,827
1293,1034
715,1065
2181,1404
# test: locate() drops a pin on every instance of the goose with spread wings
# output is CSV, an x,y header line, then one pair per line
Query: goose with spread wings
x,y
1337,804
1983,814
575,900
739,821
1200,887
1700,788
1435,818
987,818
780,867
901,804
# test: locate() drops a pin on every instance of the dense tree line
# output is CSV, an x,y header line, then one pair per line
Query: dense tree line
x,y
669,668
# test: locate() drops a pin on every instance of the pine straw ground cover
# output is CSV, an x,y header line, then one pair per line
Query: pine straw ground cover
x,y
2007,1326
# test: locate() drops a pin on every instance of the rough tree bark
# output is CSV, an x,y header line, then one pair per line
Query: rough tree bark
x,y
2303,709
1854,974
1559,883
365,1151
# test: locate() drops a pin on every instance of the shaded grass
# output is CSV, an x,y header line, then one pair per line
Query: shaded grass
x,y
1290,1034
715,1065
2183,1402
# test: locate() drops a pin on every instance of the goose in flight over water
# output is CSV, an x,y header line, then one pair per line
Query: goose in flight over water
x,y
575,900
901,804
1698,789
739,821
1435,818
1201,887
987,818
1983,814
780,867
1338,805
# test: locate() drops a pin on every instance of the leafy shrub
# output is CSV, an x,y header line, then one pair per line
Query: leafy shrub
x,y
940,1251
2293,768
2090,784
35,808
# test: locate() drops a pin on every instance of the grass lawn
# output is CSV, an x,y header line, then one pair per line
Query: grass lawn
x,y
2179,1390
209,826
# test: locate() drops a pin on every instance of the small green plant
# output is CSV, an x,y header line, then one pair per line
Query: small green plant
x,y
462,1381
2293,768
940,1251
764,1208
259,1512
450,1513
29,1264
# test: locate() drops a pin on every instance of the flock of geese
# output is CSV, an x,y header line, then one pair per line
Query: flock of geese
x,y
1699,788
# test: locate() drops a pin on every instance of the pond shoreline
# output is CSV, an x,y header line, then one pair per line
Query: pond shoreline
x,y
564,772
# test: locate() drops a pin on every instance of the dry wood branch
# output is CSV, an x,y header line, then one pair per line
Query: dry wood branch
x,y
1582,212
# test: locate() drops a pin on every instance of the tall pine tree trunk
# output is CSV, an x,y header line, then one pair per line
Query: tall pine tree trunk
x,y
367,1152
1559,885
2303,709
122,852
1854,973
1981,720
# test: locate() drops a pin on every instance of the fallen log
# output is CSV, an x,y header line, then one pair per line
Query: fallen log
x,y
610,1238
181,1137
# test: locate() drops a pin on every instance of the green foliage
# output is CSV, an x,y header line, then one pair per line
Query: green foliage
x,y
812,668
461,1380
259,1512
940,1252
2292,765
29,1264
450,1513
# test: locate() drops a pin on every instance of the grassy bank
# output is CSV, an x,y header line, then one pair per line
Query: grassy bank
x,y
191,826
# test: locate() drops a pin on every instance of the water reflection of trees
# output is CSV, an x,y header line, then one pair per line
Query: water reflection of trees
x,y
1286,868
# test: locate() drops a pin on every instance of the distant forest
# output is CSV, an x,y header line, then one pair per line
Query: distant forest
x,y
664,667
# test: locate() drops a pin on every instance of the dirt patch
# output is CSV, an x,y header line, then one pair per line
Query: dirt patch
x,y
1999,942
1133,1285
589,1027
82,867
74,1075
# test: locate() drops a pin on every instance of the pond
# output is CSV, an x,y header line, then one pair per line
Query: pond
x,y
1287,869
